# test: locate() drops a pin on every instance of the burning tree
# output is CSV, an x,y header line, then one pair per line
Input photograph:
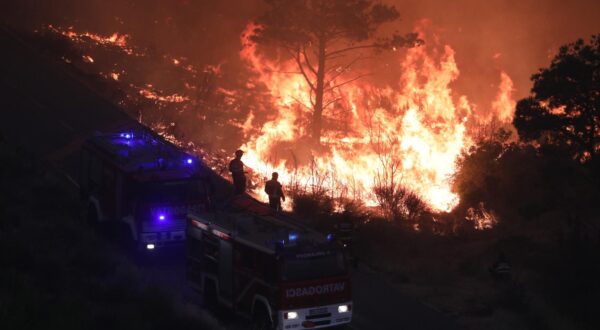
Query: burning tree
x,y
320,36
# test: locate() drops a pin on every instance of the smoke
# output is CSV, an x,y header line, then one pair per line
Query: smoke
x,y
517,37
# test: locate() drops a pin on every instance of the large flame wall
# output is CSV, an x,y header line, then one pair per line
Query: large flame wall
x,y
411,133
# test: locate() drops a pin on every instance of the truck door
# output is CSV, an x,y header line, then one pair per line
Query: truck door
x,y
225,269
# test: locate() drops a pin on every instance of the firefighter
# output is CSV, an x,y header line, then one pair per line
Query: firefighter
x,y
236,167
275,192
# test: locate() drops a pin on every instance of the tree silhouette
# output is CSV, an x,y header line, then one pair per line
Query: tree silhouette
x,y
564,108
320,36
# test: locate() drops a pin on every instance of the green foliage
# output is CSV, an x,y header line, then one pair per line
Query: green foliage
x,y
564,108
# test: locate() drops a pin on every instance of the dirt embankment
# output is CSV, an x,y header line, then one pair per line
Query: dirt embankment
x,y
552,276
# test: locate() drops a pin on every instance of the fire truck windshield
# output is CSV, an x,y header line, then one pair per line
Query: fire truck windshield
x,y
171,191
300,268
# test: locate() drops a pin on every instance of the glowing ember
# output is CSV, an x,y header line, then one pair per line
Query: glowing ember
x,y
115,39
152,95
413,138
482,218
88,59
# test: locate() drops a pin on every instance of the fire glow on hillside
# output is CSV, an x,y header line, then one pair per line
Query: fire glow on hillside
x,y
408,135
411,134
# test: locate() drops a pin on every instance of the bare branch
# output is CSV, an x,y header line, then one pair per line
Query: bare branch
x,y
331,102
307,60
347,81
302,103
301,67
345,67
344,50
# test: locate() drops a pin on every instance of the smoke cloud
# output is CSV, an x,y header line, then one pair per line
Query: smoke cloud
x,y
517,37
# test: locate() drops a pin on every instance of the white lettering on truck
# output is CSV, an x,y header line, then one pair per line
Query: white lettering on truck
x,y
313,290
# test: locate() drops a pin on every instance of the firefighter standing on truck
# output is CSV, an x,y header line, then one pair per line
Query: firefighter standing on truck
x,y
236,167
275,192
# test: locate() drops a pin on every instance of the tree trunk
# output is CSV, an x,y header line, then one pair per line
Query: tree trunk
x,y
317,120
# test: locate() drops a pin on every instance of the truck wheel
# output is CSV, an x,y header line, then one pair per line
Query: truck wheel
x,y
261,320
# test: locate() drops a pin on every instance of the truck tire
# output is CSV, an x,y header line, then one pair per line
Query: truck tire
x,y
261,319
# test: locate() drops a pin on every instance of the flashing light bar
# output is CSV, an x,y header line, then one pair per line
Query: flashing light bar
x,y
126,135
220,234
149,246
199,224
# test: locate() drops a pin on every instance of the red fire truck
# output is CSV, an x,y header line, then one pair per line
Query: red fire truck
x,y
268,267
141,184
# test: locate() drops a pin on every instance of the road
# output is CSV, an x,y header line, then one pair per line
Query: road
x,y
50,110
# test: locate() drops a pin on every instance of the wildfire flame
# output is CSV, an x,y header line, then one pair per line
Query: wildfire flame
x,y
408,134
153,95
414,141
115,39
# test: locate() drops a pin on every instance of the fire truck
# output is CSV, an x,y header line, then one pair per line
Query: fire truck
x,y
141,185
267,266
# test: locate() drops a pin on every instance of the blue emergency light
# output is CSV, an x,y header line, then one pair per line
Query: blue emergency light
x,y
292,237
329,237
189,161
161,217
126,135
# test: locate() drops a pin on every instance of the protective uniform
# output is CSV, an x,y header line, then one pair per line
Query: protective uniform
x,y
236,167
274,190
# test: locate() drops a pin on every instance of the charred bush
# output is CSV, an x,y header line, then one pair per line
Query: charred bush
x,y
314,206
399,203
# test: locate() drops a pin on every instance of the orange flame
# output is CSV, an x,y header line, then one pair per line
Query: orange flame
x,y
115,39
504,105
417,139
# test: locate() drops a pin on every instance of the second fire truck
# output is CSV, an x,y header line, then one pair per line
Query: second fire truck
x,y
142,186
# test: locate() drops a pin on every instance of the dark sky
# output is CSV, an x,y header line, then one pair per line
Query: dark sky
x,y
517,36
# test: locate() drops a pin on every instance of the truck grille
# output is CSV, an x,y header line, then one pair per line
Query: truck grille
x,y
318,316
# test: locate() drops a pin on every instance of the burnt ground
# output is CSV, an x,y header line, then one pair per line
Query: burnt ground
x,y
47,111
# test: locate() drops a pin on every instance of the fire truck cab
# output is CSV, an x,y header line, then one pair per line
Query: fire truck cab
x,y
141,184
268,267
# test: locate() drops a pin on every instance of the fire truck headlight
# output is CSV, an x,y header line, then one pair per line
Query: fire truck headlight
x,y
290,315
343,309
150,246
